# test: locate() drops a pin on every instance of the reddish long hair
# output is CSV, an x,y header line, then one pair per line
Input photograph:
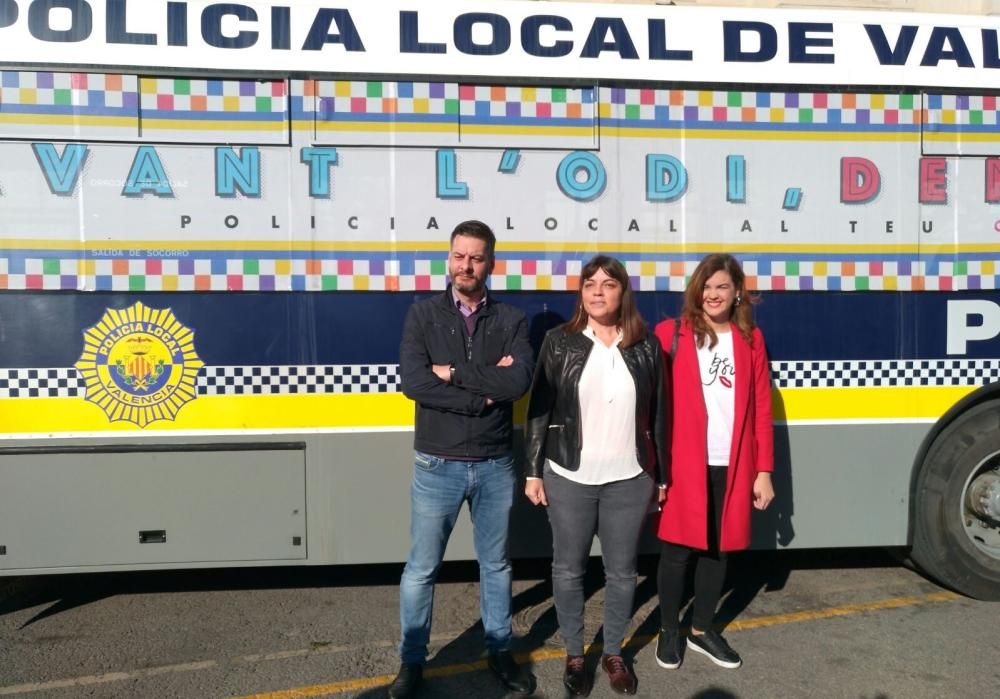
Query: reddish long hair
x,y
742,313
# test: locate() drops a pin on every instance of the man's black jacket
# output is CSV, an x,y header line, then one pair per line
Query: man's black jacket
x,y
453,419
554,427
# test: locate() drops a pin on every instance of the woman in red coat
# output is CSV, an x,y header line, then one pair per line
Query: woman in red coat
x,y
721,450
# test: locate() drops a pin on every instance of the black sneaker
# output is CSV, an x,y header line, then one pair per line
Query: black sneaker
x,y
407,680
715,647
513,676
667,653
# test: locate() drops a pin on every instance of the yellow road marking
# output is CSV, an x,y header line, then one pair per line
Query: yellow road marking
x,y
842,610
322,690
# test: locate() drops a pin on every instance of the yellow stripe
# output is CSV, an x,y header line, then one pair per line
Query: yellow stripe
x,y
842,610
380,127
354,685
60,120
756,135
923,402
509,248
394,410
486,129
361,410
133,123
435,128
212,125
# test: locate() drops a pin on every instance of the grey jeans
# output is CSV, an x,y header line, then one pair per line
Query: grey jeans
x,y
615,512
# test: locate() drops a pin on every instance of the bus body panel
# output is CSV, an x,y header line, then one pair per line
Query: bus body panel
x,y
204,273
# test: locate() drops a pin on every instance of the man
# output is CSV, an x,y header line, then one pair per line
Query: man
x,y
464,360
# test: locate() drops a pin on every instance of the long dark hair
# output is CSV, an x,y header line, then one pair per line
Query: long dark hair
x,y
631,323
693,313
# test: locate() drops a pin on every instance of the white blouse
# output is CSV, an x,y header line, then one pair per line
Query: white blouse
x,y
607,418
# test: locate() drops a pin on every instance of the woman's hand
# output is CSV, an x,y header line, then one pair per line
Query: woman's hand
x,y
535,490
661,494
763,491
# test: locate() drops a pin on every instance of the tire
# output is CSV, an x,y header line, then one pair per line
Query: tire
x,y
951,542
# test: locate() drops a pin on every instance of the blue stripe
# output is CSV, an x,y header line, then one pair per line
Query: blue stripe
x,y
68,110
527,121
45,329
757,126
213,116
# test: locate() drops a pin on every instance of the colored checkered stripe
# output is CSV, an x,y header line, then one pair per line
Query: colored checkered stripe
x,y
416,272
221,380
181,98
384,378
78,94
487,104
963,112
354,100
95,94
626,107
884,373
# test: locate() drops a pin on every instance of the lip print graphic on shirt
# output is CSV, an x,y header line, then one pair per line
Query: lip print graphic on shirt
x,y
722,370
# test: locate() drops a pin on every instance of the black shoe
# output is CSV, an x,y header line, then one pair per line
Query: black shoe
x,y
715,647
667,653
407,680
514,677
575,677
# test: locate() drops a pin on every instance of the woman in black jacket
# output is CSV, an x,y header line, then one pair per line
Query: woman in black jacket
x,y
596,443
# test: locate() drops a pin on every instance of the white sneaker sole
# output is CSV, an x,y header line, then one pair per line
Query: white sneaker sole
x,y
665,666
721,663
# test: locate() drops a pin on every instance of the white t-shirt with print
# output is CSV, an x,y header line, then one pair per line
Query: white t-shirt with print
x,y
718,386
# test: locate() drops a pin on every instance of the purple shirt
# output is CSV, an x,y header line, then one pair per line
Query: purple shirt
x,y
468,315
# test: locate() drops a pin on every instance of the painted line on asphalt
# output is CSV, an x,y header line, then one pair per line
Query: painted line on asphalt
x,y
91,680
841,610
333,688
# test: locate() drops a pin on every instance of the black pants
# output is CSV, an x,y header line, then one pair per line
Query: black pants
x,y
710,566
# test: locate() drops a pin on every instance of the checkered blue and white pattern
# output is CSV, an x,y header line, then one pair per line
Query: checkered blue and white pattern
x,y
221,380
269,380
882,373
64,382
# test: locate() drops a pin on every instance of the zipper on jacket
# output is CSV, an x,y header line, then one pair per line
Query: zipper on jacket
x,y
579,405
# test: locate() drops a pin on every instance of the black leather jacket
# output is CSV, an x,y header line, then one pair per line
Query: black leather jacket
x,y
554,429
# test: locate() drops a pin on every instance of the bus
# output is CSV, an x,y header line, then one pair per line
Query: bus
x,y
214,216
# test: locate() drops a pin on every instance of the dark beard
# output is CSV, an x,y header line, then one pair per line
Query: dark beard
x,y
468,287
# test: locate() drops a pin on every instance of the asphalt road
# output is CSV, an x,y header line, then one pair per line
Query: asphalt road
x,y
808,624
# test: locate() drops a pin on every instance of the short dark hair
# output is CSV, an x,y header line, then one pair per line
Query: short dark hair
x,y
631,323
478,230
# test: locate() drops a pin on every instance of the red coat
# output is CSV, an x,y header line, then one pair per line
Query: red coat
x,y
685,512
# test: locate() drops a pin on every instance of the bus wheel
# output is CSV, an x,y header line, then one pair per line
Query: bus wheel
x,y
956,533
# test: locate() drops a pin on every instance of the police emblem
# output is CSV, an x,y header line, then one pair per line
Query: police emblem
x,y
139,364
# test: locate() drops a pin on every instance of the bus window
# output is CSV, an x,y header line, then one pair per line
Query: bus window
x,y
185,110
512,116
960,124
68,106
381,112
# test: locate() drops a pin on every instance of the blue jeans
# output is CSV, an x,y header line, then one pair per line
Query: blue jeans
x,y
440,487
